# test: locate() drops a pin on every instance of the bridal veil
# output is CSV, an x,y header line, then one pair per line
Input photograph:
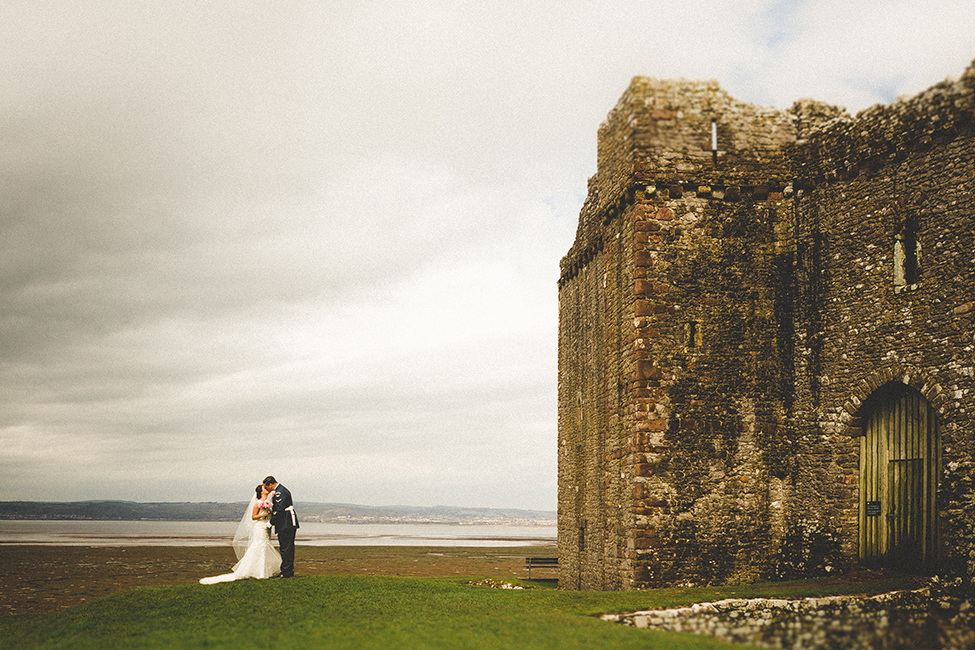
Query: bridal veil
x,y
245,530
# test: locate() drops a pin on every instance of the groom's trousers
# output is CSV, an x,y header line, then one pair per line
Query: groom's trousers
x,y
286,540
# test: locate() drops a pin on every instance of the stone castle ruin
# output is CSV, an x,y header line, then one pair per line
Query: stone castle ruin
x,y
766,335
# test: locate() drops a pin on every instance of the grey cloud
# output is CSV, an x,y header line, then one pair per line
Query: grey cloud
x,y
333,228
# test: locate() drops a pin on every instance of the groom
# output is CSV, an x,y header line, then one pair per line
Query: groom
x,y
285,523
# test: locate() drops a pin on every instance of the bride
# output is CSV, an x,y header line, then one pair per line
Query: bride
x,y
252,543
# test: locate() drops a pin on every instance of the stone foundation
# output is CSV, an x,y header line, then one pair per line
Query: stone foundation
x,y
909,620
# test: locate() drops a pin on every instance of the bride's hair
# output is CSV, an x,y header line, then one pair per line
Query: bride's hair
x,y
258,490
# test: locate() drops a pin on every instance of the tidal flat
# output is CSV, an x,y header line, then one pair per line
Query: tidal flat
x,y
53,578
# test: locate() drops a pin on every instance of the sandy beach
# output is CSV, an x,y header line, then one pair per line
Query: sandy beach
x,y
52,578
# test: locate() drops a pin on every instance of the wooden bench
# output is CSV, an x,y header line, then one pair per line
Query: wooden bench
x,y
540,563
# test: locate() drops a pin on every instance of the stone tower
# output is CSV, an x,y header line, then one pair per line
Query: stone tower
x,y
746,293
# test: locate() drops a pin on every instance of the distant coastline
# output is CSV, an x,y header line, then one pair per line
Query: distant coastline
x,y
317,512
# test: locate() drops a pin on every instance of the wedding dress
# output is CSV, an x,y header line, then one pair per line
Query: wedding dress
x,y
258,558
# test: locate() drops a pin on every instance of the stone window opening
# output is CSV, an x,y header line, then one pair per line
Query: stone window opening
x,y
714,141
907,257
693,335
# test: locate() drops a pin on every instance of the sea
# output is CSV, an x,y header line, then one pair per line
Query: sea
x,y
221,533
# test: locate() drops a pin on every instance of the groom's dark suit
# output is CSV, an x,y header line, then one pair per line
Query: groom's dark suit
x,y
285,523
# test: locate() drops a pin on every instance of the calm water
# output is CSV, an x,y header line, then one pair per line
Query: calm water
x,y
217,533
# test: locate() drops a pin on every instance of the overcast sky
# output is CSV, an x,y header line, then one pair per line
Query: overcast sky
x,y
321,239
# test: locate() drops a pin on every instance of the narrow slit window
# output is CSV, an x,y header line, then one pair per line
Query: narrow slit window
x,y
907,257
714,141
693,334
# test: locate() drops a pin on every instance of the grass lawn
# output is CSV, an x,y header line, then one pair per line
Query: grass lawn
x,y
362,612
388,598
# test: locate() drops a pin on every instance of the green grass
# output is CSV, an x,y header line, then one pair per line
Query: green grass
x,y
361,613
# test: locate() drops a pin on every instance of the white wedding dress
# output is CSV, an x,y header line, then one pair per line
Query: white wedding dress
x,y
258,558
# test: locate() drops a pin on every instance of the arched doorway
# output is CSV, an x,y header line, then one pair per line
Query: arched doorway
x,y
900,458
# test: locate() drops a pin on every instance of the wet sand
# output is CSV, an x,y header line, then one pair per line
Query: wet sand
x,y
52,578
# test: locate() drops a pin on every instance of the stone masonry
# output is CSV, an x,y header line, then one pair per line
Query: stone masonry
x,y
743,281
925,618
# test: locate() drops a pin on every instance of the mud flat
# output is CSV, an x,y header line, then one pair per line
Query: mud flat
x,y
52,578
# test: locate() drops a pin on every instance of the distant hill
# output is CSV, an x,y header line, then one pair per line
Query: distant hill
x,y
324,512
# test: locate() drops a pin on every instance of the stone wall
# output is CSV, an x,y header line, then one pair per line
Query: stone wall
x,y
860,183
725,312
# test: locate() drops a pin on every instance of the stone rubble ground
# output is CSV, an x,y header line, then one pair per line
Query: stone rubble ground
x,y
499,584
922,618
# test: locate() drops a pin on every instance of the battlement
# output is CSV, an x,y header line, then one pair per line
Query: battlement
x,y
839,148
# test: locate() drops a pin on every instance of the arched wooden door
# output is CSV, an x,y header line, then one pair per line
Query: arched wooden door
x,y
900,457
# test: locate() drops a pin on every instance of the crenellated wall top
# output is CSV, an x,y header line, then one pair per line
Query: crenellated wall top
x,y
841,147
